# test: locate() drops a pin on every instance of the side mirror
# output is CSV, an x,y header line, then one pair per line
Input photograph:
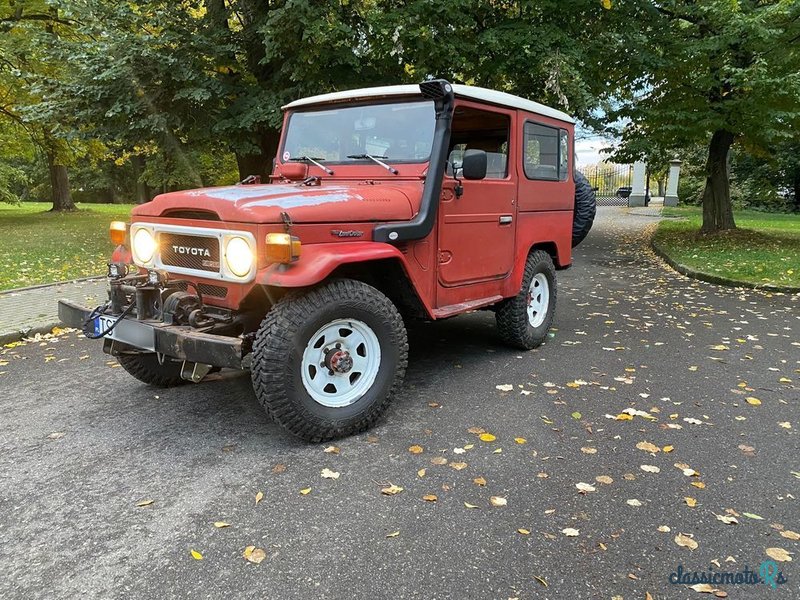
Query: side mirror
x,y
473,164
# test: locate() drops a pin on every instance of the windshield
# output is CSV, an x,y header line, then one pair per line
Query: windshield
x,y
397,132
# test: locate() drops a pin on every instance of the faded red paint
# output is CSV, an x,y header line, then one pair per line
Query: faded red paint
x,y
471,258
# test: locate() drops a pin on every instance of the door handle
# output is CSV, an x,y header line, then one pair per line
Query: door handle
x,y
506,219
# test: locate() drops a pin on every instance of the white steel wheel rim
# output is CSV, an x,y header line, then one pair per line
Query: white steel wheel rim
x,y
538,299
340,362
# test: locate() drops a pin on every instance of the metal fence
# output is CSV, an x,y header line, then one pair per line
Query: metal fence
x,y
612,183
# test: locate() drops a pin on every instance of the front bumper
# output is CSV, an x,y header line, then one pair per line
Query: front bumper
x,y
177,341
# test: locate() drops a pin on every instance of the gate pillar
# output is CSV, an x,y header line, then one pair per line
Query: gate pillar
x,y
671,199
638,191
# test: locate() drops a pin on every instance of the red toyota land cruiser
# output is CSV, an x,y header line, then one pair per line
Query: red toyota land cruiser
x,y
384,203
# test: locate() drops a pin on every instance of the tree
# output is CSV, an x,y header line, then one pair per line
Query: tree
x,y
718,72
26,28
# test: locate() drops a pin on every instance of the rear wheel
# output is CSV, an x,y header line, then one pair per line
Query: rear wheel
x,y
327,362
147,368
523,321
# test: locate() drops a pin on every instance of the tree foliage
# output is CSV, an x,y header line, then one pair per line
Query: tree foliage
x,y
718,73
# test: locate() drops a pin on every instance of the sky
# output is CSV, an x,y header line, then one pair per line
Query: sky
x,y
588,146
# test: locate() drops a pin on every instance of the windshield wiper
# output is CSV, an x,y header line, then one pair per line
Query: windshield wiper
x,y
313,161
389,168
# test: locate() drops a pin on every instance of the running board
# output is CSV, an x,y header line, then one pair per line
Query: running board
x,y
456,309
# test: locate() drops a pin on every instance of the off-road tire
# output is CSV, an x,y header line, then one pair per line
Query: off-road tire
x,y
278,355
512,314
145,368
585,209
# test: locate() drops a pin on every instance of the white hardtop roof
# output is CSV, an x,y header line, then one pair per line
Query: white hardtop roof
x,y
461,91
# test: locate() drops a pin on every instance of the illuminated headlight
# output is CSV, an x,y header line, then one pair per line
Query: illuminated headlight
x,y
238,256
144,246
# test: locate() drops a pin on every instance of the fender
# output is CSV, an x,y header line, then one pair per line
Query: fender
x,y
317,261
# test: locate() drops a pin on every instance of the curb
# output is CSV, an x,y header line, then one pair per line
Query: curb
x,y
715,279
45,285
15,336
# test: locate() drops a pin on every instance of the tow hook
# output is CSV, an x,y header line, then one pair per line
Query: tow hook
x,y
194,372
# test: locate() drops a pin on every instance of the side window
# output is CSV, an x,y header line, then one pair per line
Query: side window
x,y
546,152
475,129
563,155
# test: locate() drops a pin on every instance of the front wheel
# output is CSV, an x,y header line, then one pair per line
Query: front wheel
x,y
327,362
523,321
147,368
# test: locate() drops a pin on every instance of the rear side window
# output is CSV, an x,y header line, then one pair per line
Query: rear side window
x,y
546,152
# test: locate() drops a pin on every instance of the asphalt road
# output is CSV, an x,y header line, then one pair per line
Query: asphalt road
x,y
81,443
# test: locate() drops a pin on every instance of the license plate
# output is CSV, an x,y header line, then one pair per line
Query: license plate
x,y
102,324
128,331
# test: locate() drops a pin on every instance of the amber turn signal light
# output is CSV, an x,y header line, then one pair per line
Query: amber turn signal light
x,y
282,248
117,230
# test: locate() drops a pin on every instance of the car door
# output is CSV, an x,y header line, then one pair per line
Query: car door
x,y
476,230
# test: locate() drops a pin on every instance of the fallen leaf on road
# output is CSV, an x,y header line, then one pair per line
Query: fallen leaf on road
x,y
430,498
328,474
728,520
458,465
468,505
487,437
753,516
753,401
415,449
421,473
692,502
540,580
664,529
790,535
391,490
604,479
259,497
588,450
576,415
331,450
523,531
648,447
393,534
196,555
570,532
504,387
685,541
498,501
479,481
221,524
633,502
520,440
650,469
439,460
305,491
703,587
584,488
254,555
778,554
146,502
476,430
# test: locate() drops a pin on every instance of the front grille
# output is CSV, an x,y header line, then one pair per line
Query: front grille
x,y
189,251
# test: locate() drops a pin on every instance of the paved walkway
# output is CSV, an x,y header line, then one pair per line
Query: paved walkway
x,y
33,310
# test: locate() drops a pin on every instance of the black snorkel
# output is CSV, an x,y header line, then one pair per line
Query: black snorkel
x,y
441,92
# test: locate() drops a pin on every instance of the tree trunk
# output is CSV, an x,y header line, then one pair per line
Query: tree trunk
x,y
59,186
142,191
261,163
662,187
717,208
797,189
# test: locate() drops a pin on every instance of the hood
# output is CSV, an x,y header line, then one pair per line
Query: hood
x,y
325,203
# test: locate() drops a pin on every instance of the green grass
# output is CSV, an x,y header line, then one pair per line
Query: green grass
x,y
41,247
764,250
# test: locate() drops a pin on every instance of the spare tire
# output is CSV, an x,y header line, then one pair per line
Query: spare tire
x,y
585,208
